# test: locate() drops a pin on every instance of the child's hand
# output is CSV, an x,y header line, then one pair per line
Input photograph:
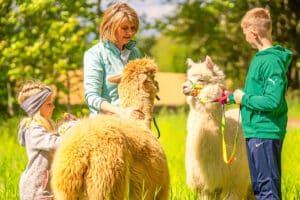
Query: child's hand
x,y
238,95
68,120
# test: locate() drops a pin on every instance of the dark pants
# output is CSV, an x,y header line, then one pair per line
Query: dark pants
x,y
264,157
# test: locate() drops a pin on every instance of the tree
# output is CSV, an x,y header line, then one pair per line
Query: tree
x,y
41,39
213,28
170,55
46,39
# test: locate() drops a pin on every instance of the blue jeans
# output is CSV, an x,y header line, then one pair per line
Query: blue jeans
x,y
264,157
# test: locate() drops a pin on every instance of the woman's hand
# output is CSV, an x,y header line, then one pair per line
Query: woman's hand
x,y
131,113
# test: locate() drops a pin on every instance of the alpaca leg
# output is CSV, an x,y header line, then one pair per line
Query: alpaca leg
x,y
68,169
108,174
250,194
149,178
162,193
162,185
211,195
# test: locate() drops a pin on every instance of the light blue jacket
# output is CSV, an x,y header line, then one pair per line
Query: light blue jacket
x,y
100,62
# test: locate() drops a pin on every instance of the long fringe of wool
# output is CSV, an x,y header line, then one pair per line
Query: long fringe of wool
x,y
206,172
108,157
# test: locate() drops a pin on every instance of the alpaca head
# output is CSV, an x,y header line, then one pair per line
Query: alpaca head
x,y
205,81
141,72
137,86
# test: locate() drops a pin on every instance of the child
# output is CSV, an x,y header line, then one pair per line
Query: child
x,y
34,134
263,104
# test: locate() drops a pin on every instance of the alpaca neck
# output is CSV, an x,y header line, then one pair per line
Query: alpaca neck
x,y
213,111
147,108
145,105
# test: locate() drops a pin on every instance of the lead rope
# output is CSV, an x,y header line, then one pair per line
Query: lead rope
x,y
154,121
231,158
156,127
221,100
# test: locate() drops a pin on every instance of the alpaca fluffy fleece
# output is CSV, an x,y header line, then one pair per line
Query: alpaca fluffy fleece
x,y
206,172
110,158
107,157
138,87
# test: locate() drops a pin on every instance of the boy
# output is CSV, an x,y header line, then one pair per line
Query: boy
x,y
263,105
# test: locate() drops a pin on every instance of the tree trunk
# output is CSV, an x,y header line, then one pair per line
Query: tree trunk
x,y
10,107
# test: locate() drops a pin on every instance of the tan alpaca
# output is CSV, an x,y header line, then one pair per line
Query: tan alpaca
x,y
206,171
107,157
138,87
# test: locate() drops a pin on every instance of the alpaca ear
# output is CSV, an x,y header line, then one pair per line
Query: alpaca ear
x,y
189,62
142,78
209,62
115,79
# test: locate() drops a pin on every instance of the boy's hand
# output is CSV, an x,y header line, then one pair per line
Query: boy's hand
x,y
238,94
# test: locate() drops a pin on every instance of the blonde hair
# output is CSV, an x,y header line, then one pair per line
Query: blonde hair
x,y
113,17
30,88
258,18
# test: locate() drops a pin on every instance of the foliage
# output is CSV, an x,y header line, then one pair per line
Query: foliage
x,y
145,44
167,62
41,39
213,28
44,39
294,108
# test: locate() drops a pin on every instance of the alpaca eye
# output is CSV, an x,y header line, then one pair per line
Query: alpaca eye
x,y
200,80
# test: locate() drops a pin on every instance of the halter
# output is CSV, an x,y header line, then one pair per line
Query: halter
x,y
196,88
223,100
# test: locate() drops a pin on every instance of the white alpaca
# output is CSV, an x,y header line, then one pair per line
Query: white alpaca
x,y
107,157
206,171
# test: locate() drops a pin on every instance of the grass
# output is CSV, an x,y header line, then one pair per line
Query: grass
x,y
12,160
173,132
291,165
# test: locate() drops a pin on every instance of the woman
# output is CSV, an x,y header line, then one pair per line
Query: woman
x,y
108,58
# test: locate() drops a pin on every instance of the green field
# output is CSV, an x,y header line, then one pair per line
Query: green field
x,y
173,132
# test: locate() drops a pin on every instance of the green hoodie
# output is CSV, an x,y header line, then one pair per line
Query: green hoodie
x,y
264,108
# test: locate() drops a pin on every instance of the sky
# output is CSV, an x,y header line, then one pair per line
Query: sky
x,y
154,9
